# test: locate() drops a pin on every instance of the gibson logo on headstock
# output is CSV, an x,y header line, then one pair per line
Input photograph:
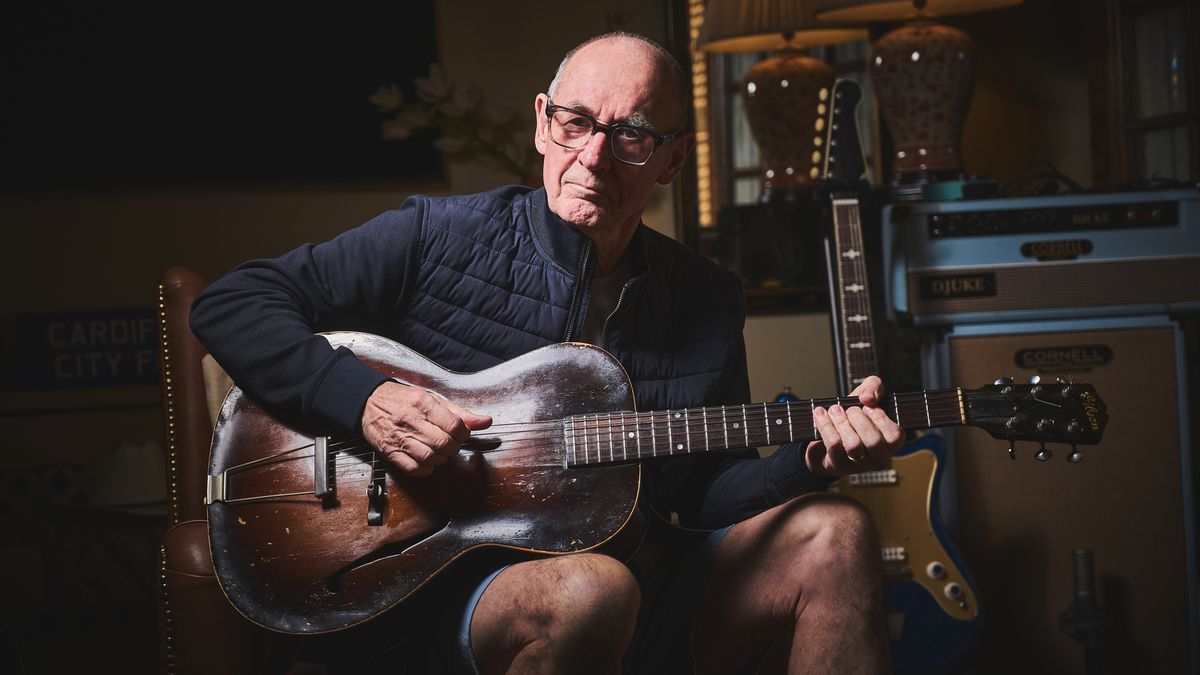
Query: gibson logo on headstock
x,y
1063,359
1091,408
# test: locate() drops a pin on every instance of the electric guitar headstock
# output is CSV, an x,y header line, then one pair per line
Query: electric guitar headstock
x,y
844,165
1062,412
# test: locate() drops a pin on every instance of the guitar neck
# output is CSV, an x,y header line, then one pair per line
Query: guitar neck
x,y
607,438
852,307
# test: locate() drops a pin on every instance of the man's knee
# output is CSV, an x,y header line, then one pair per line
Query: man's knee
x,y
594,587
835,530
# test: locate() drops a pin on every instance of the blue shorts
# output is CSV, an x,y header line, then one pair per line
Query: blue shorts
x,y
662,641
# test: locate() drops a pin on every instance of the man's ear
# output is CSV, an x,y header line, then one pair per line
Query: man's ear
x,y
540,128
680,149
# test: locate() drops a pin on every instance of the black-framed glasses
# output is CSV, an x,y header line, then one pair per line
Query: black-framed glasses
x,y
630,144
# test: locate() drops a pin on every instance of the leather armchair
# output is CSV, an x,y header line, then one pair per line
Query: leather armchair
x,y
201,632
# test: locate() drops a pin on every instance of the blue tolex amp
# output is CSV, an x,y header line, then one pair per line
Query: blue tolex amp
x,y
1034,258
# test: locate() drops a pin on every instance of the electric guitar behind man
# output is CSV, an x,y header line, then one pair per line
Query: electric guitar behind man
x,y
933,615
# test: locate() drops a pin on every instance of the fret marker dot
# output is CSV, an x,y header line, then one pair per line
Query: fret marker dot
x,y
736,425
778,421
676,415
631,434
679,446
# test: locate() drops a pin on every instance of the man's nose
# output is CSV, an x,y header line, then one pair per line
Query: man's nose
x,y
596,153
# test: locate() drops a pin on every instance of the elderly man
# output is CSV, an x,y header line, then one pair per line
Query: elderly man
x,y
784,573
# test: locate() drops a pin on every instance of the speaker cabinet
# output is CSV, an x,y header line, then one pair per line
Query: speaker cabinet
x,y
1129,500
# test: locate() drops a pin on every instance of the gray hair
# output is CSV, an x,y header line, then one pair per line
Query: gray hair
x,y
678,78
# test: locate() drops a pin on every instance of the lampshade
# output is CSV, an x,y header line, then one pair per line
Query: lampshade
x,y
768,25
860,11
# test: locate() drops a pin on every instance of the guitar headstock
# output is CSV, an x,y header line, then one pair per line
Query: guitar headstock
x,y
1062,412
843,155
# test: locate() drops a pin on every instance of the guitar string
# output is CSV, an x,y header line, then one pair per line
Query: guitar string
x,y
754,425
359,470
344,448
606,425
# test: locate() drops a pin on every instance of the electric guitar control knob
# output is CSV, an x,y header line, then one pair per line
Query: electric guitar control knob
x,y
935,570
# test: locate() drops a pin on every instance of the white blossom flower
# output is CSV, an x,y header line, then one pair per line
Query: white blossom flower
x,y
387,98
395,130
435,88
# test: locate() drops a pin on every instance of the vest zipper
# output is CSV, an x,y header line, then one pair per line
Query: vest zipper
x,y
580,288
616,308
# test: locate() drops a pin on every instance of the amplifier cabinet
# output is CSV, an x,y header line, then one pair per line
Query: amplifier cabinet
x,y
1036,258
1130,500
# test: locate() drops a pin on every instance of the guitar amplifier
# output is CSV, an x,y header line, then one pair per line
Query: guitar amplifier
x,y
1034,258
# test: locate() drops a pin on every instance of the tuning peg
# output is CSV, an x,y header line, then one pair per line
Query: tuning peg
x,y
1043,454
1012,450
1003,380
1076,456
1035,379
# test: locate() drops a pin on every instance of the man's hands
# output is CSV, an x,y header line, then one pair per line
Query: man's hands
x,y
416,430
853,439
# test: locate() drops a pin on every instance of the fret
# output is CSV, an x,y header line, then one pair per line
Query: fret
x,y
599,447
687,429
928,419
571,441
638,428
624,444
586,460
670,442
767,422
608,418
745,426
704,417
725,425
653,438
896,410
791,428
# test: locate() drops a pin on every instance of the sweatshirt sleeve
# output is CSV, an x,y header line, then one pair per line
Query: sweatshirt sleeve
x,y
260,320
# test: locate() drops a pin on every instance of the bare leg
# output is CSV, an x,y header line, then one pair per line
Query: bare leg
x,y
807,573
570,614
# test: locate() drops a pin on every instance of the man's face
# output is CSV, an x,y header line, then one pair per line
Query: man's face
x,y
613,81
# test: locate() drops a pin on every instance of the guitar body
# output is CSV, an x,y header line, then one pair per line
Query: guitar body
x,y
931,630
304,565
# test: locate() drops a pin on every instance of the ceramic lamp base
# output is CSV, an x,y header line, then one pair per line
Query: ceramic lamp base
x,y
785,107
922,75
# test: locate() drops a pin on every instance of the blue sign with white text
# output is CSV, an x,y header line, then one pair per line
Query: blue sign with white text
x,y
84,349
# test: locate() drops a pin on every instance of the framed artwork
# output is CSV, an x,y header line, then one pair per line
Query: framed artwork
x,y
100,95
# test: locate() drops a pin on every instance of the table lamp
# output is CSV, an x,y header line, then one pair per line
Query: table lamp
x,y
922,75
782,93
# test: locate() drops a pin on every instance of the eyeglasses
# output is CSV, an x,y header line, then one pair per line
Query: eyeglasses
x,y
630,144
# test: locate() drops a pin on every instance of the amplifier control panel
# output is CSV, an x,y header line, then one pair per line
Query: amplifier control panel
x,y
1097,254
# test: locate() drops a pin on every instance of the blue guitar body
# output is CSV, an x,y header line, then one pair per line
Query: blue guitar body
x,y
927,636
